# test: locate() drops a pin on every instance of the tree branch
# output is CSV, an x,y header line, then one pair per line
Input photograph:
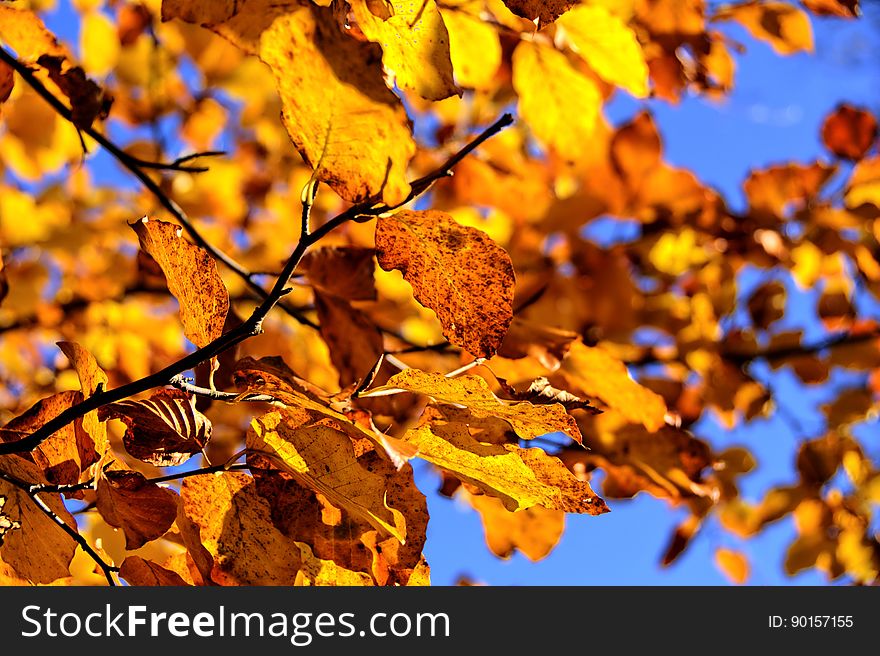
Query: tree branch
x,y
253,325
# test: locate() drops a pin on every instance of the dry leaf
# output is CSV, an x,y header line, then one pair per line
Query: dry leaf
x,y
192,278
456,271
143,510
164,430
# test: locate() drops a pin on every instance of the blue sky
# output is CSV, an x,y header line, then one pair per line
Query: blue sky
x,y
773,115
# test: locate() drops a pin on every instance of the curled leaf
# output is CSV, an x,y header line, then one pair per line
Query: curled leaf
x,y
143,510
164,430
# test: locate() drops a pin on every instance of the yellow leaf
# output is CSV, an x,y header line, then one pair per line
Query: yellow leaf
x,y
559,103
608,46
733,564
520,478
599,374
227,527
785,27
192,278
322,458
864,185
674,254
534,531
415,45
346,124
342,118
316,571
25,33
474,47
527,420
458,272
91,378
99,44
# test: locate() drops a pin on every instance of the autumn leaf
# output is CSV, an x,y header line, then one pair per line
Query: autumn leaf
x,y
340,115
192,278
141,572
782,25
6,523
527,419
224,517
599,374
544,12
67,452
322,458
355,342
164,430
143,510
608,46
849,132
520,478
7,82
92,379
415,45
456,271
88,101
38,550
316,571
534,531
559,103
841,8
546,344
474,48
343,271
24,32
733,565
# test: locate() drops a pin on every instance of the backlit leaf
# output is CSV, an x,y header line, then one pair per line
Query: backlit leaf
x,y
600,375
608,46
559,103
472,392
849,132
457,272
783,26
192,278
415,45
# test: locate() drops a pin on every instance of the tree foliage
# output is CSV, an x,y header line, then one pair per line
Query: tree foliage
x,y
381,271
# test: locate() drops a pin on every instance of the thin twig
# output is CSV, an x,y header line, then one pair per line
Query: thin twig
x,y
229,397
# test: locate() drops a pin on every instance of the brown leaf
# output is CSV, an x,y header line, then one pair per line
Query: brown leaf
x,y
38,550
140,572
164,430
544,12
849,131
7,524
841,8
354,341
541,392
681,538
192,277
143,510
91,379
230,524
88,101
344,271
767,304
456,271
7,82
61,458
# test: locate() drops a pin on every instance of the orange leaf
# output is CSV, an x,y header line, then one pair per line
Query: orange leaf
x,y
143,510
140,572
733,564
599,374
849,132
456,271
192,278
